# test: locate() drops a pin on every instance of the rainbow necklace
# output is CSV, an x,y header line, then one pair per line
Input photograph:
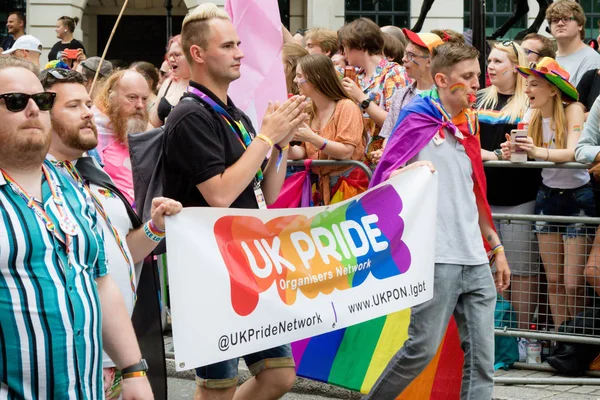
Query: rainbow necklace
x,y
70,168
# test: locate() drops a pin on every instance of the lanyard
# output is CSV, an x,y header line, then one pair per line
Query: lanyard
x,y
68,227
70,168
243,136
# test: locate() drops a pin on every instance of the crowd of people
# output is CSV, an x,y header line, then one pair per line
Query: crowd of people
x,y
72,244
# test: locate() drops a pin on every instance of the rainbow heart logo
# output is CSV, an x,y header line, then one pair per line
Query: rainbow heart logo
x,y
335,249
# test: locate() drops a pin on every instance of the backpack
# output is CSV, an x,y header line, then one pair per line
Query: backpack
x,y
146,152
506,348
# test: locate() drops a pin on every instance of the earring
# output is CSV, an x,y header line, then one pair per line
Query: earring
x,y
65,30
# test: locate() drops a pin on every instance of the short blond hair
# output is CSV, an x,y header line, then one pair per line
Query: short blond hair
x,y
195,29
325,38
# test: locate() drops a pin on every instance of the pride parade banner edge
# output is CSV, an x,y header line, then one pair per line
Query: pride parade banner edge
x,y
244,280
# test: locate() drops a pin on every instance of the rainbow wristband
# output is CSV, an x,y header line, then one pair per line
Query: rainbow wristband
x,y
137,374
324,144
498,249
153,233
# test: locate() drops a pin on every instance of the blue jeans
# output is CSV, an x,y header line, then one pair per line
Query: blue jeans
x,y
224,374
468,293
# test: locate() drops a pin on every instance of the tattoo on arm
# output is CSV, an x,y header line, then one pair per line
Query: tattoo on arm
x,y
489,239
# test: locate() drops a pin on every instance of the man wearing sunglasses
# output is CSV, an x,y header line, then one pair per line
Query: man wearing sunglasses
x,y
54,277
567,24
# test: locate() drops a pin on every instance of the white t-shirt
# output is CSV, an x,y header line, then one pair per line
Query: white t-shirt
x,y
458,236
118,267
560,178
579,63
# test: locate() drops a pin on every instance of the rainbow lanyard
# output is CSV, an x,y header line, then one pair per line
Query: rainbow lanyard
x,y
472,120
245,138
69,228
70,168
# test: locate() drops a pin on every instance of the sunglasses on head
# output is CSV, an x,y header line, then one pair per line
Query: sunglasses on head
x,y
16,102
507,43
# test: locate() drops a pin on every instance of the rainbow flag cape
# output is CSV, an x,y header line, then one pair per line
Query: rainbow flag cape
x,y
354,357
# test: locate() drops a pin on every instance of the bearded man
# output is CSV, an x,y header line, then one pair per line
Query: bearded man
x,y
131,241
60,307
119,110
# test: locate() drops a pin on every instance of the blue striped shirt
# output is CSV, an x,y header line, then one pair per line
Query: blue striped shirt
x,y
50,334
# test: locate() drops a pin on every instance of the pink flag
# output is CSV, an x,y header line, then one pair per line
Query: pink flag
x,y
259,27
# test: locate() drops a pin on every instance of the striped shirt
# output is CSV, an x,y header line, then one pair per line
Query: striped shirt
x,y
50,335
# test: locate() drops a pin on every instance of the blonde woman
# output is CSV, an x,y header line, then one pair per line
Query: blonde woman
x,y
553,134
501,107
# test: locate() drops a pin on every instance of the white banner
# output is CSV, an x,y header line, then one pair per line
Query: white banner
x,y
243,280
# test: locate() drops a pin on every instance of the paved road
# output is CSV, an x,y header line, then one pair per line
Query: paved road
x,y
183,389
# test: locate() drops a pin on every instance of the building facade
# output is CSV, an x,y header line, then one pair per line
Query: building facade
x,y
142,31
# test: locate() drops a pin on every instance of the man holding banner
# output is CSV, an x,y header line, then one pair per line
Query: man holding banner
x,y
440,126
212,160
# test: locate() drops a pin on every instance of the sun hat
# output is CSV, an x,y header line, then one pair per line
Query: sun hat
x,y
550,70
426,39
25,42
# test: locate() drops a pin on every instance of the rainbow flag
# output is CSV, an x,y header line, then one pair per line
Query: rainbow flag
x,y
354,357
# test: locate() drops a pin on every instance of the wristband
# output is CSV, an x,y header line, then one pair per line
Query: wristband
x,y
155,229
280,156
265,139
498,249
324,144
278,147
138,374
155,236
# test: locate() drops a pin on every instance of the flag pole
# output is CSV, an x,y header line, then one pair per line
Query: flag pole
x,y
107,45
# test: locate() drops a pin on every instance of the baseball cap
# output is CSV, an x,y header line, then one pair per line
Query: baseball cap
x,y
426,39
92,64
25,42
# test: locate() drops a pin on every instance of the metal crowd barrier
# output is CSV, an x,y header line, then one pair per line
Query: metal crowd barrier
x,y
530,291
330,163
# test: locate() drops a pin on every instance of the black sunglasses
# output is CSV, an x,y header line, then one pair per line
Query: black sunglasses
x,y
16,102
507,43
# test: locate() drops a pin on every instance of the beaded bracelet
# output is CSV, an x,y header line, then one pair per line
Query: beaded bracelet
x,y
324,144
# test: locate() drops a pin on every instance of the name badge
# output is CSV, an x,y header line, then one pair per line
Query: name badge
x,y
438,139
260,197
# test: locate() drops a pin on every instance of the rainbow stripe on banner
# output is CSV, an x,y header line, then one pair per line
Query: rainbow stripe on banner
x,y
354,357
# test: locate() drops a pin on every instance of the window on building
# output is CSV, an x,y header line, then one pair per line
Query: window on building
x,y
383,12
6,7
592,15
497,12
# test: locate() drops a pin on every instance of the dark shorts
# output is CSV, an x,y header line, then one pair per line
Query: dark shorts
x,y
224,374
577,202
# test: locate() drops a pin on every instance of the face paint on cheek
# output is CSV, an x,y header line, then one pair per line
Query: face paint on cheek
x,y
504,71
456,87
415,62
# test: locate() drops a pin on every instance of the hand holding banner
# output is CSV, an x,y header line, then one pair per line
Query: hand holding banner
x,y
242,281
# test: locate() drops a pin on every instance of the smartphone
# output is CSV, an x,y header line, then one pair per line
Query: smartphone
x,y
71,54
350,72
516,154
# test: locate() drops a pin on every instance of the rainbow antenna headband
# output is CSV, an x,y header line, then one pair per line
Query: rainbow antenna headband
x,y
551,71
